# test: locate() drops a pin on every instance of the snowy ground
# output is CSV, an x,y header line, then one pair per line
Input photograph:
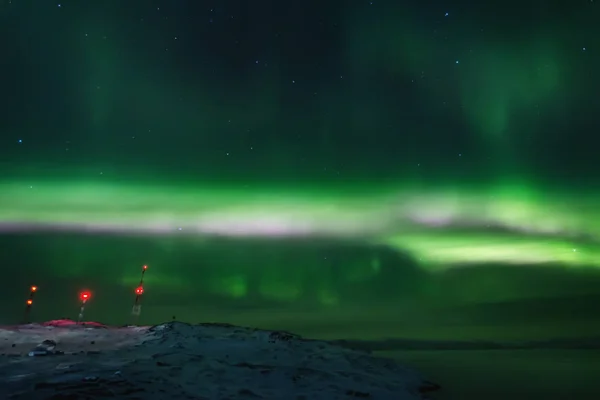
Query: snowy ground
x,y
181,361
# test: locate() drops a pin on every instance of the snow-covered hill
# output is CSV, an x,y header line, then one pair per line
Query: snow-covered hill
x,y
181,361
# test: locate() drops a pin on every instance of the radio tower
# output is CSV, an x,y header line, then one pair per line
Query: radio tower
x,y
29,303
136,310
83,297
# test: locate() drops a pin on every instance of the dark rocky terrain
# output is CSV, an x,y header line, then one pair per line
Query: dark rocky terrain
x,y
61,360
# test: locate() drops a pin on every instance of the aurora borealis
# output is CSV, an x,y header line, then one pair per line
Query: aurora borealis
x,y
363,170
441,228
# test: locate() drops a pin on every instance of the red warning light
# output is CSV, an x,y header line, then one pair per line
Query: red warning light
x,y
29,302
34,288
145,267
139,290
84,296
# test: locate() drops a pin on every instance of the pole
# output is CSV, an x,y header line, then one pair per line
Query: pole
x,y
81,310
29,303
84,297
136,310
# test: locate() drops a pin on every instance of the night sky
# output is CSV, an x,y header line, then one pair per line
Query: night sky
x,y
356,168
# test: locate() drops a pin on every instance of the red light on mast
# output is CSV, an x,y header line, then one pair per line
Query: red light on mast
x,y
34,288
139,290
145,267
85,296
29,302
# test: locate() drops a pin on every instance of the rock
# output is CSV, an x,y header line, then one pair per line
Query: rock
x,y
428,387
45,348
355,393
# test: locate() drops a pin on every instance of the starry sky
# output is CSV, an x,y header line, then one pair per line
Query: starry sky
x,y
361,169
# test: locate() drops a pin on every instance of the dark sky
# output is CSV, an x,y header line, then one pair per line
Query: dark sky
x,y
357,168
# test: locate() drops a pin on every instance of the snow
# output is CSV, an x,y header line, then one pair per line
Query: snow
x,y
181,361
